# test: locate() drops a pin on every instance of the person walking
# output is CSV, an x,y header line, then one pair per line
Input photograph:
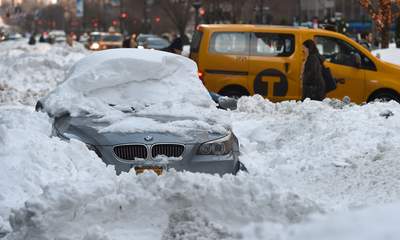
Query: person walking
x,y
127,42
32,39
366,40
311,76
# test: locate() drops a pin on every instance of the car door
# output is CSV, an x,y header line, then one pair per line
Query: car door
x,y
226,62
274,65
341,58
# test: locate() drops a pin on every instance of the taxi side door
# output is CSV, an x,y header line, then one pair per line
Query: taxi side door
x,y
226,63
341,57
275,65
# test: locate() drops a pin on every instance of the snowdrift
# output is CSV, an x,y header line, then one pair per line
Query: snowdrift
x,y
317,170
294,174
27,73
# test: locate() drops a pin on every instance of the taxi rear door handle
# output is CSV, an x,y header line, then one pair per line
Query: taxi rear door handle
x,y
287,65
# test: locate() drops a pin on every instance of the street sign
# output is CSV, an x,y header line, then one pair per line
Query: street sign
x,y
79,8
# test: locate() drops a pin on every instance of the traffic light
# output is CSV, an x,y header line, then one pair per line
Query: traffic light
x,y
202,12
95,23
114,22
124,15
157,19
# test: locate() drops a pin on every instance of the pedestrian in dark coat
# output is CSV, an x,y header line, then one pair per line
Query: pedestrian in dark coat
x,y
313,81
175,47
32,40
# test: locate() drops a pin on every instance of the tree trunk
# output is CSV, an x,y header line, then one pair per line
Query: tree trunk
x,y
385,37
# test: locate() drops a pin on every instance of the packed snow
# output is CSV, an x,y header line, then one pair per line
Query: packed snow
x,y
391,54
30,72
317,170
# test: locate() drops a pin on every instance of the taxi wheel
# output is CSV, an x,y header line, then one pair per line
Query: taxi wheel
x,y
386,96
234,92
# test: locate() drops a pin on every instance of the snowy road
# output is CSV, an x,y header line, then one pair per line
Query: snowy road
x,y
317,171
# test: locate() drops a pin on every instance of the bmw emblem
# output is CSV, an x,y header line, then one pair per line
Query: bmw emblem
x,y
148,138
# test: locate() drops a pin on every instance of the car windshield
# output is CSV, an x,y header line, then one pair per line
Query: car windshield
x,y
160,42
95,37
112,38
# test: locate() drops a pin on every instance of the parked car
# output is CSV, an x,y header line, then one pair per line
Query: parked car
x,y
121,108
102,41
151,41
57,36
238,59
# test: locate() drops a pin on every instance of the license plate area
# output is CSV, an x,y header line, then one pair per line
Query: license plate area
x,y
156,169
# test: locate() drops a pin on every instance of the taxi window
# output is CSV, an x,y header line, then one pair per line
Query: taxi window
x,y
196,40
340,52
230,43
272,44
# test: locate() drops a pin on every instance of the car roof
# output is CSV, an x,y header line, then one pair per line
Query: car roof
x,y
252,27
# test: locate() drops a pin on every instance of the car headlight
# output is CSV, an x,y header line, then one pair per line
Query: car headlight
x,y
220,146
95,46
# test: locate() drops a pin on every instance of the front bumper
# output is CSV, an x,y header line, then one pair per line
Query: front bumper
x,y
190,161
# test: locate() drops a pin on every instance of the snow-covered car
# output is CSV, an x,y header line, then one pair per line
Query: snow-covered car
x,y
143,109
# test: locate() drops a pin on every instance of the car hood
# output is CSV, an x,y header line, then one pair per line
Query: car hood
x,y
147,129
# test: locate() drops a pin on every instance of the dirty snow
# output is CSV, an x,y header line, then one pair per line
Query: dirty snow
x,y
317,170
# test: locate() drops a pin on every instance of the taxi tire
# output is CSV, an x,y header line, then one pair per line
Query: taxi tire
x,y
234,92
385,96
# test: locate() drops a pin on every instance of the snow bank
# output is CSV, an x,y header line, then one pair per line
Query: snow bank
x,y
305,158
378,222
60,190
31,160
27,73
341,156
130,77
391,54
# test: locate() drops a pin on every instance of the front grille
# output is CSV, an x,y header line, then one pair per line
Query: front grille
x,y
169,150
130,152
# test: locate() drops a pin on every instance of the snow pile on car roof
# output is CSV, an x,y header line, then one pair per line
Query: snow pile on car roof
x,y
130,77
27,73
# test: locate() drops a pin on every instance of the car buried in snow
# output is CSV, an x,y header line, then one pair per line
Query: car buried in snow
x,y
144,110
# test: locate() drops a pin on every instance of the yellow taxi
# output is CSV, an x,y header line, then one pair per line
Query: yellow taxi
x,y
105,40
238,59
